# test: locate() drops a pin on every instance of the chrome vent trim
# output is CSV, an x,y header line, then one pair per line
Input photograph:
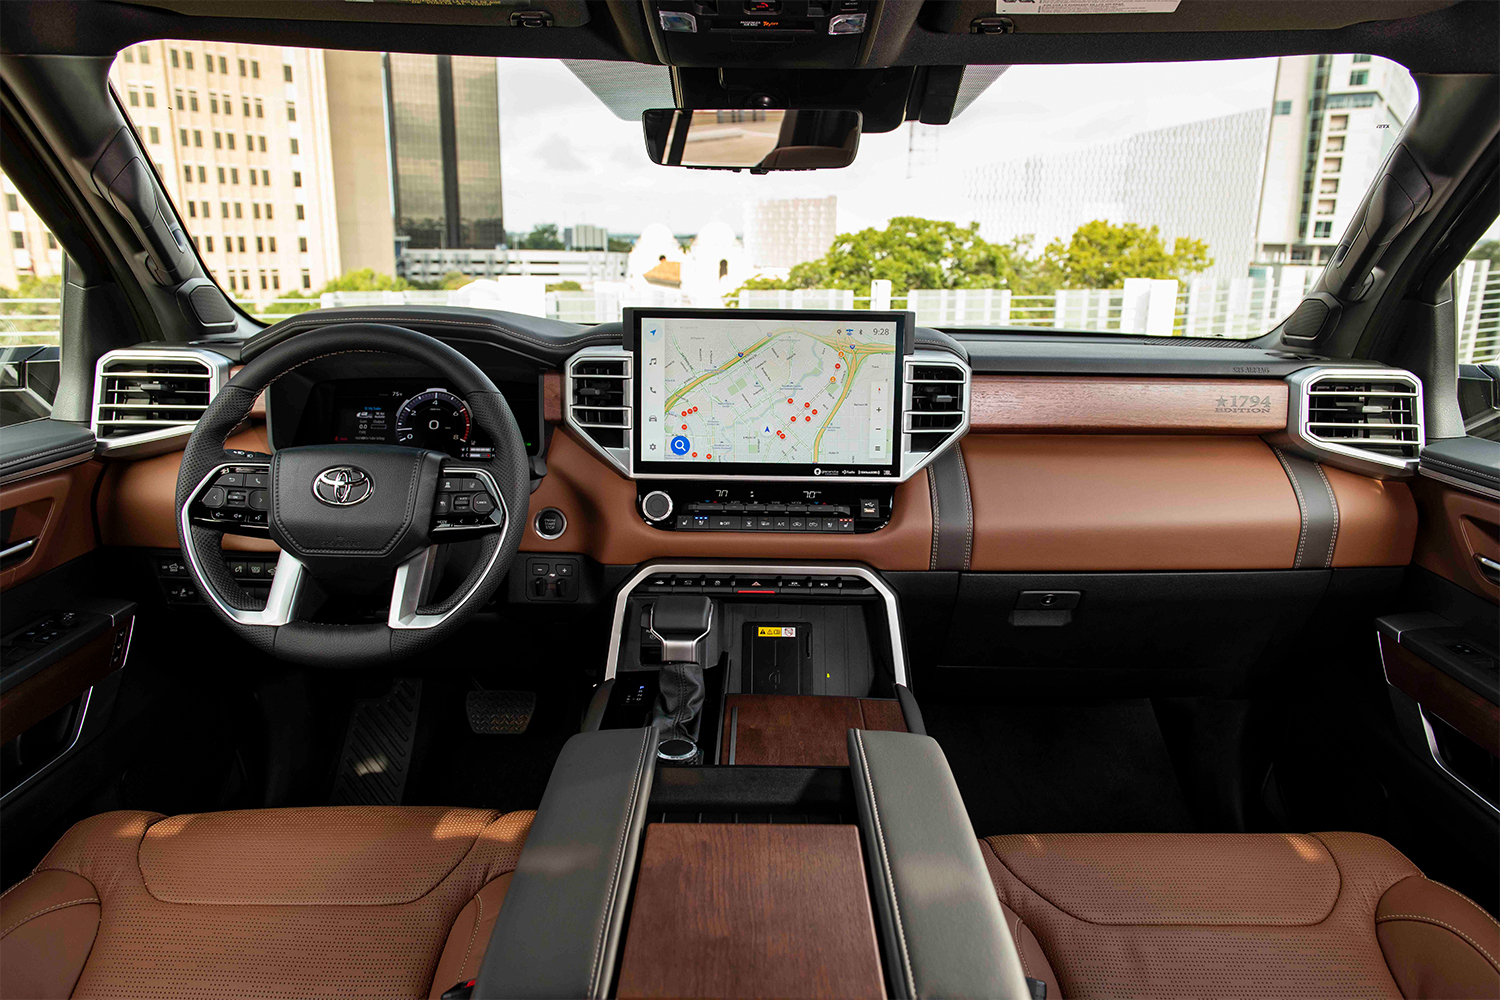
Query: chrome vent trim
x,y
1366,420
934,407
148,401
610,432
604,422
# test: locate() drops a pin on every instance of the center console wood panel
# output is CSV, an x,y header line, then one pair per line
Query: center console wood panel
x,y
603,522
800,730
1109,404
1097,503
138,500
751,910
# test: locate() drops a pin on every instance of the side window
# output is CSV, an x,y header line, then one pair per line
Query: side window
x,y
1476,294
31,265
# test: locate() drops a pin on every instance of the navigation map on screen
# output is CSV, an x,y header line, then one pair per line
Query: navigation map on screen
x,y
761,391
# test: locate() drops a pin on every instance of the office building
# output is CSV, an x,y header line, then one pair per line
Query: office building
x,y
585,237
30,250
782,232
275,198
1200,180
1333,121
444,130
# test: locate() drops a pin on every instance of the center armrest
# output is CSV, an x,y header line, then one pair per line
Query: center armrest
x,y
941,922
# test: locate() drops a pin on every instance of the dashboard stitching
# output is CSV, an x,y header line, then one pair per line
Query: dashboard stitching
x,y
937,519
963,477
1286,467
1459,469
1334,502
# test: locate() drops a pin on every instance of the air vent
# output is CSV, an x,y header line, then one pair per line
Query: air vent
x,y
937,410
1375,414
1365,420
144,397
600,400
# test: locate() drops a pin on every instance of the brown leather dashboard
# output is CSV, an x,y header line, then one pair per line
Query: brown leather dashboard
x,y
1064,473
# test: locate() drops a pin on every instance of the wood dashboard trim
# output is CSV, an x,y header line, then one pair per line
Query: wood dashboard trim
x,y
800,730
1109,404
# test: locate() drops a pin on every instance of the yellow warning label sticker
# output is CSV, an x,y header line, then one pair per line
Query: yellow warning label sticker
x,y
777,632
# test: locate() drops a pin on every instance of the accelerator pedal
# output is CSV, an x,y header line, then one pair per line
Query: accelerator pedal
x,y
378,747
500,713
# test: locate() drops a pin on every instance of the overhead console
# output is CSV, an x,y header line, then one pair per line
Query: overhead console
x,y
767,420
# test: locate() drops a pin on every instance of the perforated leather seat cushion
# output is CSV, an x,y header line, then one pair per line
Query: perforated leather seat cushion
x,y
1238,915
377,902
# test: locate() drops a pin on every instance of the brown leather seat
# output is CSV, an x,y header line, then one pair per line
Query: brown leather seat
x,y
1238,915
366,901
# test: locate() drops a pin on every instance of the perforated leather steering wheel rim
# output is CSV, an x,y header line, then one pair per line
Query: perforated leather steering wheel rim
x,y
411,626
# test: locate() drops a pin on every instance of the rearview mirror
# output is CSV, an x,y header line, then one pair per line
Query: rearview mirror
x,y
757,140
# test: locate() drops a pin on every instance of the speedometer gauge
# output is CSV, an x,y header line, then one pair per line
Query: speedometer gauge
x,y
434,419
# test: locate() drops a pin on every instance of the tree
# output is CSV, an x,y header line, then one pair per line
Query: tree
x,y
454,280
617,245
363,280
564,286
1101,255
912,252
1485,250
541,238
15,328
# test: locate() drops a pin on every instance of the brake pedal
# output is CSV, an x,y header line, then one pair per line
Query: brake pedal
x,y
500,713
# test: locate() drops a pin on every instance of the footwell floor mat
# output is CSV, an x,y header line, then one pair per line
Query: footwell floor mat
x,y
499,713
1040,767
378,747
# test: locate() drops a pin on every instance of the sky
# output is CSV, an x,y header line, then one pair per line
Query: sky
x,y
567,159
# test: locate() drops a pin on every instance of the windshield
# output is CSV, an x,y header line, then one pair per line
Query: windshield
x,y
1184,199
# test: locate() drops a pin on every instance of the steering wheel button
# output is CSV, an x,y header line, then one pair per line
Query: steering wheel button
x,y
444,503
214,497
481,503
259,499
258,480
460,502
231,479
237,498
473,486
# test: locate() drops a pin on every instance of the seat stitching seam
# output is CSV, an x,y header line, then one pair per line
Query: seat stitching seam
x,y
614,883
1338,870
28,878
886,863
1020,952
1173,923
1422,918
473,933
1461,896
49,909
1334,502
495,817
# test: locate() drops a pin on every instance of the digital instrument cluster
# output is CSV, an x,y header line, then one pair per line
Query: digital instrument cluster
x,y
413,413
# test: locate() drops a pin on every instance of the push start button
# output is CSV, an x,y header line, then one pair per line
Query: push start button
x,y
550,523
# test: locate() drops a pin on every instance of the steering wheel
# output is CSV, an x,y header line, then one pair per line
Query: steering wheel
x,y
350,518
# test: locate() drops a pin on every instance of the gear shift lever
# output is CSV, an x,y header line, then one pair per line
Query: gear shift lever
x,y
680,624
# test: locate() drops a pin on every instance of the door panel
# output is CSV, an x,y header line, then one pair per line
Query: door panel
x,y
1457,528
54,513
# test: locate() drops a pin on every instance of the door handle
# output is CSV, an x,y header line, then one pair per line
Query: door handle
x,y
1488,568
17,550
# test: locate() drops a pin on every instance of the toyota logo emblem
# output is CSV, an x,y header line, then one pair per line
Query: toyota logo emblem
x,y
343,486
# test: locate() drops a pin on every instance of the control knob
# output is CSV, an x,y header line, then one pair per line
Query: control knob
x,y
656,505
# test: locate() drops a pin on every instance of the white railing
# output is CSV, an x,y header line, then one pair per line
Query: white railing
x,y
1476,294
1237,308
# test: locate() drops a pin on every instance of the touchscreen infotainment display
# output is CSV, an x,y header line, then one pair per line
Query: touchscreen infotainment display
x,y
761,393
